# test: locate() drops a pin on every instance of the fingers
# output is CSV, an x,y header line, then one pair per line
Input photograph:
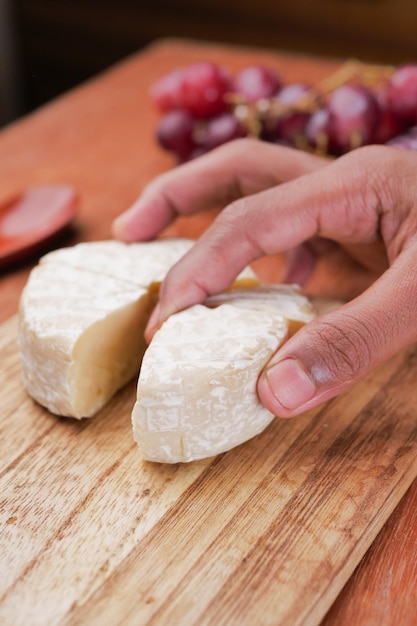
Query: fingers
x,y
230,172
338,202
359,201
331,354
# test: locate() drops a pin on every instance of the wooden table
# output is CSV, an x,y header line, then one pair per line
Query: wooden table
x,y
100,139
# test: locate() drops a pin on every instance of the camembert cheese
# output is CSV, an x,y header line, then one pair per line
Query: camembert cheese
x,y
81,320
196,394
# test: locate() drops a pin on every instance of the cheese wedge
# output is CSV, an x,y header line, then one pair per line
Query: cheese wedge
x,y
196,394
81,320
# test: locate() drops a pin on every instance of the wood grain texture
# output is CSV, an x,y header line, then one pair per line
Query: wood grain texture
x,y
90,534
383,598
267,533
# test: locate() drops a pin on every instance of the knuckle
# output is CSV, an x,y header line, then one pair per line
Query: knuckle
x,y
348,348
369,183
237,214
378,167
389,196
240,219
230,219
225,232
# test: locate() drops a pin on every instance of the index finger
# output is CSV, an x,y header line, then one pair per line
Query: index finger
x,y
343,201
232,171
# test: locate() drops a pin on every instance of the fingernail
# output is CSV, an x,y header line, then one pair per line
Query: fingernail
x,y
290,384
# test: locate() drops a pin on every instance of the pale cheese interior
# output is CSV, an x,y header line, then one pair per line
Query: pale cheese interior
x,y
107,356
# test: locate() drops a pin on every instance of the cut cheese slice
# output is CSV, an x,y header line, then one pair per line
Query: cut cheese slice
x,y
81,320
196,392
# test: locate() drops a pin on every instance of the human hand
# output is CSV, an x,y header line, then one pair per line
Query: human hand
x,y
364,202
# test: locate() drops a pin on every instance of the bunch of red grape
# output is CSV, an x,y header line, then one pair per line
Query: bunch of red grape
x,y
203,106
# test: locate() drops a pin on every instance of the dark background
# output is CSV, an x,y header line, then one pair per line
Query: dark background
x,y
50,46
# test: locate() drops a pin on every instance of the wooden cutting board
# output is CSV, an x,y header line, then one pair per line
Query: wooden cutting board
x,y
267,533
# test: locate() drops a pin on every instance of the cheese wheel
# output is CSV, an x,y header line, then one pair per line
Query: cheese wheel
x,y
81,320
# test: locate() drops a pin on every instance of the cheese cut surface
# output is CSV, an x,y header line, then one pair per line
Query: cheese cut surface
x,y
196,393
289,300
81,320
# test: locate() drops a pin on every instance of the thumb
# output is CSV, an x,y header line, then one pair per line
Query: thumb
x,y
335,351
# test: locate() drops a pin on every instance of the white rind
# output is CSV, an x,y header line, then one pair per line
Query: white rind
x,y
81,320
137,263
196,393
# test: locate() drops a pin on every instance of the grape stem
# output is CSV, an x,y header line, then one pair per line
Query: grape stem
x,y
253,115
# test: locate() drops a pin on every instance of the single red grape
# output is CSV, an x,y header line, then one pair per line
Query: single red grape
x,y
354,115
291,126
175,133
204,86
257,82
222,129
317,130
291,94
402,92
166,92
390,124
